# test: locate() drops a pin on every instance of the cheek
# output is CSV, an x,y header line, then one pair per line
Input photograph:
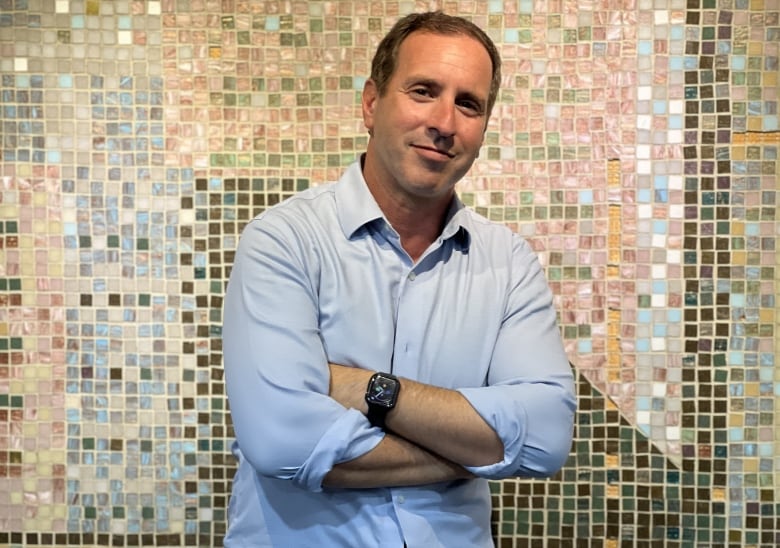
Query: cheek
x,y
408,114
475,137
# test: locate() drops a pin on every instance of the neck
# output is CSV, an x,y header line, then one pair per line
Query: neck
x,y
418,221
417,229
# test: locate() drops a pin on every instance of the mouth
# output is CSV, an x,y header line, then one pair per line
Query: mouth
x,y
434,152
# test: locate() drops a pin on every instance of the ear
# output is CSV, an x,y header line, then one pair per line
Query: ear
x,y
368,103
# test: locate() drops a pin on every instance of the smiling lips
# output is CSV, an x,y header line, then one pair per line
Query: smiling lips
x,y
436,151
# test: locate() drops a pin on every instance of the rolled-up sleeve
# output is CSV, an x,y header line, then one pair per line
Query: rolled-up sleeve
x,y
529,399
276,370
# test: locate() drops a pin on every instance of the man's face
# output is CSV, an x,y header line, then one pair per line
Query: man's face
x,y
428,127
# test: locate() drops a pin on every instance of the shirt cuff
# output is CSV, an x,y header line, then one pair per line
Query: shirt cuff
x,y
348,438
500,407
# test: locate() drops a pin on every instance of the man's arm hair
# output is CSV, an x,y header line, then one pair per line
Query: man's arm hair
x,y
395,462
440,425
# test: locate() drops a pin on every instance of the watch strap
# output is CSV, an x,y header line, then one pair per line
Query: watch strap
x,y
376,415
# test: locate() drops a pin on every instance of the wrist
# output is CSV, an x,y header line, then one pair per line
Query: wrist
x,y
381,397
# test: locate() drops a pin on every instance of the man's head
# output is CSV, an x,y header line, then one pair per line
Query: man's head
x,y
385,60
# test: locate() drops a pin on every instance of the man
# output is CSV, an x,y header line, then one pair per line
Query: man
x,y
386,271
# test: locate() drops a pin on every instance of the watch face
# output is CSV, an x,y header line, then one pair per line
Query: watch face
x,y
383,391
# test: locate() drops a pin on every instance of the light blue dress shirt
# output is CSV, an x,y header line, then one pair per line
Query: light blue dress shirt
x,y
322,277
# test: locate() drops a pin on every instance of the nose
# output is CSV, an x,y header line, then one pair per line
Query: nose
x,y
442,121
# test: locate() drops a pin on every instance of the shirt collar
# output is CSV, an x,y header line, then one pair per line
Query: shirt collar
x,y
356,208
355,205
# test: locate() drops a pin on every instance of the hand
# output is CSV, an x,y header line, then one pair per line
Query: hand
x,y
348,386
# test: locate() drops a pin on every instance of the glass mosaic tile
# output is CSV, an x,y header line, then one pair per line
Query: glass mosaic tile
x,y
634,145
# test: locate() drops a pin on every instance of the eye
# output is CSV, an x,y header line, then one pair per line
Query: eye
x,y
421,91
470,107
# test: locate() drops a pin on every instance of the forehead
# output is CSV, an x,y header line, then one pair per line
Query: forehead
x,y
455,55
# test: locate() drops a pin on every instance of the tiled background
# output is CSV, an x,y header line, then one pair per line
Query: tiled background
x,y
635,144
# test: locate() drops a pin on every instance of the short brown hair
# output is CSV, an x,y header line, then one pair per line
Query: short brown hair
x,y
436,22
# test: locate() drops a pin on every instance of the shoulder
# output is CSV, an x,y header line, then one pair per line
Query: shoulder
x,y
491,235
307,209
493,245
304,202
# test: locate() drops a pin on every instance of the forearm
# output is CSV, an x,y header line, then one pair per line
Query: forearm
x,y
394,462
445,423
438,420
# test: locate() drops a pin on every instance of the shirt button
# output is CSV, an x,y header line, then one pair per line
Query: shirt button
x,y
401,499
412,276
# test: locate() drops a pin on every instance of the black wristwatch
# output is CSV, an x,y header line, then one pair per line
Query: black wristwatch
x,y
381,396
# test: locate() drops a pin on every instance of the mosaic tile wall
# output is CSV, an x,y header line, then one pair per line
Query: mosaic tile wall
x,y
635,144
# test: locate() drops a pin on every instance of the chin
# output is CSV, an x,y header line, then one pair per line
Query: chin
x,y
432,191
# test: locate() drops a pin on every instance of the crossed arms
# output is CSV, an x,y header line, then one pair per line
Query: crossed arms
x,y
434,432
